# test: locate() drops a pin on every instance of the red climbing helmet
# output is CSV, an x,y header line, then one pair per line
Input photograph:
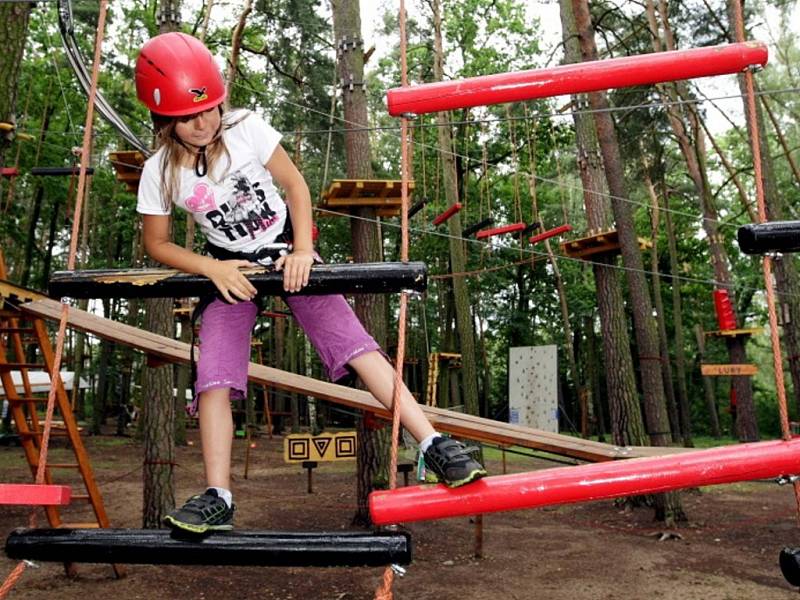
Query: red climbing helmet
x,y
176,76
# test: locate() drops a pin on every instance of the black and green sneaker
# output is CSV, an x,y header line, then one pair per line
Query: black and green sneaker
x,y
452,462
202,513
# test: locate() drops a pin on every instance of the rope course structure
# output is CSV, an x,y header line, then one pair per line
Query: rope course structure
x,y
574,484
646,475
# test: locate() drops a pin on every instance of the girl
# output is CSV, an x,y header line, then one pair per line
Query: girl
x,y
221,168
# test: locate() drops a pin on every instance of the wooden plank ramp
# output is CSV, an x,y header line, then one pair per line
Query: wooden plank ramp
x,y
462,425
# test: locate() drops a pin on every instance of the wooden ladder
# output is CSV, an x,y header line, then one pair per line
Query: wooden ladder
x,y
16,332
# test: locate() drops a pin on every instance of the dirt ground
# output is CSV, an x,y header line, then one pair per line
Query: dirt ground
x,y
728,551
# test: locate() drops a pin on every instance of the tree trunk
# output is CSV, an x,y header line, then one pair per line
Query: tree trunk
x,y
14,16
158,423
666,364
691,142
623,401
365,230
458,261
158,404
684,413
668,506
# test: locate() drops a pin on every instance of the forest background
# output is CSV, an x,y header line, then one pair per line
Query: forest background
x,y
687,179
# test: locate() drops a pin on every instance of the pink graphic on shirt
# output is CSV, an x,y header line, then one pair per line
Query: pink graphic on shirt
x,y
202,200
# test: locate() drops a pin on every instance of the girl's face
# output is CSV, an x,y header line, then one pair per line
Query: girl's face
x,y
200,128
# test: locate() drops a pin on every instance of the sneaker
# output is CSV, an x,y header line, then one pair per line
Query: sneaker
x,y
452,462
201,513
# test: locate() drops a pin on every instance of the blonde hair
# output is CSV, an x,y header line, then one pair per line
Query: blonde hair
x,y
167,140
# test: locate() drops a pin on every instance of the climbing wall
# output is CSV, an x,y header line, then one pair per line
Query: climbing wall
x,y
533,387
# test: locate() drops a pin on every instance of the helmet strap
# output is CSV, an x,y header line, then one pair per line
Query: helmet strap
x,y
201,163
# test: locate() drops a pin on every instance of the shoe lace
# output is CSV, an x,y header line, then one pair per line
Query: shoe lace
x,y
452,452
201,503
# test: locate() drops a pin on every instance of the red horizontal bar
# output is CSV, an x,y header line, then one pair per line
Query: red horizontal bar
x,y
447,214
274,315
540,237
485,233
563,485
9,171
576,78
30,494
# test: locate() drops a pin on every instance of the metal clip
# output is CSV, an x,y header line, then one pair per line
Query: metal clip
x,y
787,479
267,261
30,563
399,571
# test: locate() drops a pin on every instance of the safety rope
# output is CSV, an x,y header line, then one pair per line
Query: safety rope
x,y
384,591
55,380
755,144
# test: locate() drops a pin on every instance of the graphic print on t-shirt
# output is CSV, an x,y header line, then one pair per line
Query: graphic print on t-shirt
x,y
202,199
247,213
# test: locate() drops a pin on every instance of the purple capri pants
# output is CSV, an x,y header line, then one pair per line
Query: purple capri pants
x,y
328,321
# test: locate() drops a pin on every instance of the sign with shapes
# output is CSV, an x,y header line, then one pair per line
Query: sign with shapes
x,y
299,447
533,387
721,370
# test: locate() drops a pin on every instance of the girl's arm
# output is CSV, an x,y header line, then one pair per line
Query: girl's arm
x,y
225,274
297,265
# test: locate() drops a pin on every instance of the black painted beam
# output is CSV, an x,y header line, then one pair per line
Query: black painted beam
x,y
477,227
789,561
775,236
59,171
357,278
245,548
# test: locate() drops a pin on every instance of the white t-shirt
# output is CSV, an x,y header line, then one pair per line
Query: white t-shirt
x,y
238,209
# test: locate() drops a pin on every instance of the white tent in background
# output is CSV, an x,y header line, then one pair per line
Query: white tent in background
x,y
40,382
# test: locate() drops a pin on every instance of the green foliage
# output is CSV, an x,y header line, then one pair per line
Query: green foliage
x,y
515,163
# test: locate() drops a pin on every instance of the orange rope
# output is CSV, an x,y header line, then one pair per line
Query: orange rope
x,y
55,380
384,591
755,142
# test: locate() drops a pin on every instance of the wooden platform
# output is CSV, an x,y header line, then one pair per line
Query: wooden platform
x,y
128,165
463,425
599,242
344,195
734,332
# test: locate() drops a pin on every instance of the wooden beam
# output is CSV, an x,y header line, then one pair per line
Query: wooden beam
x,y
357,278
245,548
463,425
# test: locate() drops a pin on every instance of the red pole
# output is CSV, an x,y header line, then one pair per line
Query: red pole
x,y
513,227
577,78
454,208
550,233
564,485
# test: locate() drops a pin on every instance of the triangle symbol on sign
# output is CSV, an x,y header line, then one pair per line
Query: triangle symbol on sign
x,y
321,444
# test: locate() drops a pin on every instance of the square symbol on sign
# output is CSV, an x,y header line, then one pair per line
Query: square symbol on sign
x,y
299,449
345,447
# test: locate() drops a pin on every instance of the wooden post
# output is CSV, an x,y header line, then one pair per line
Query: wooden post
x,y
310,465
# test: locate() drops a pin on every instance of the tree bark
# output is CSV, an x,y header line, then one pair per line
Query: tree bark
x,y
625,415
365,231
666,364
668,506
458,261
684,414
13,35
691,142
158,404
